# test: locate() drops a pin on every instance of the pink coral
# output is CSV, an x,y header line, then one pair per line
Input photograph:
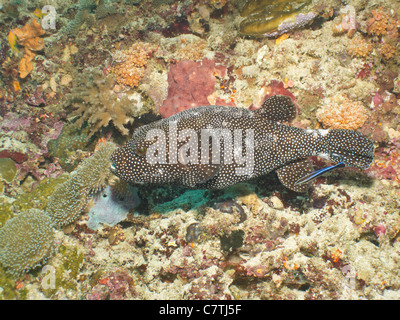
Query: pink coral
x,y
190,84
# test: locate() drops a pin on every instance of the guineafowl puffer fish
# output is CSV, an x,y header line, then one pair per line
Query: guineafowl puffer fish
x,y
217,146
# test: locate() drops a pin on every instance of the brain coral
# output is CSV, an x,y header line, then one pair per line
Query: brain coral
x,y
25,241
347,115
71,197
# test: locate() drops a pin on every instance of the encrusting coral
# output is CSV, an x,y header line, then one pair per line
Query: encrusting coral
x,y
26,241
71,197
387,51
131,63
359,47
191,84
346,115
29,37
379,23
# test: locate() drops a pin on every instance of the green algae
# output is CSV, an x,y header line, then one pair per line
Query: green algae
x,y
8,170
66,275
265,16
6,213
72,259
65,146
39,196
7,286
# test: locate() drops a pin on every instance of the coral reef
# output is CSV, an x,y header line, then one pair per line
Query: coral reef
x,y
344,115
348,21
84,14
98,105
67,145
29,37
131,63
387,51
274,18
359,47
110,66
379,23
190,84
71,197
114,285
25,241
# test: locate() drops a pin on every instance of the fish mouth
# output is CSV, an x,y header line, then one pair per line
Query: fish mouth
x,y
113,168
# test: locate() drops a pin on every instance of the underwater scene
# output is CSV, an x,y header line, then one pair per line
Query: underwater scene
x,y
199,149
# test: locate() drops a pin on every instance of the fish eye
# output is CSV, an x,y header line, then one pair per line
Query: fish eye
x,y
141,151
112,167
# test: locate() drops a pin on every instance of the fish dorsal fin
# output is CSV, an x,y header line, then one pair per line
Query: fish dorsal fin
x,y
199,173
278,108
289,174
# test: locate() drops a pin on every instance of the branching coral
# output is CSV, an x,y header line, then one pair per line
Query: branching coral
x,y
71,197
29,37
25,241
346,115
131,63
99,104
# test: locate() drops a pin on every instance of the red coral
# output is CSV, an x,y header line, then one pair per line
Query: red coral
x,y
190,84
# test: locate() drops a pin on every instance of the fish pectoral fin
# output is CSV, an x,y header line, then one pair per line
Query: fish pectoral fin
x,y
278,108
199,173
310,176
291,173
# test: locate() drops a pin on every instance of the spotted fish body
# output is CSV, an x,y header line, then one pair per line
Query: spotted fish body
x,y
251,144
